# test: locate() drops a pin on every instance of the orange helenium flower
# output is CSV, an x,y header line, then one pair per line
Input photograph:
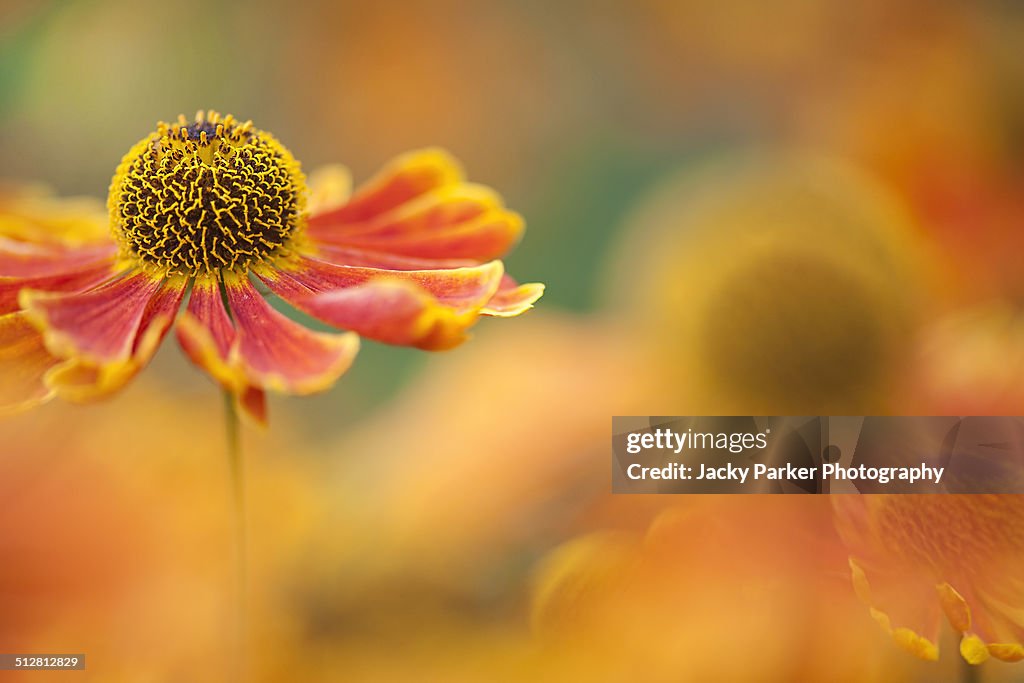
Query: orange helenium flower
x,y
916,558
218,207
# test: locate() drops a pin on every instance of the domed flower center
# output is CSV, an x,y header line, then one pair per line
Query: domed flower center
x,y
200,197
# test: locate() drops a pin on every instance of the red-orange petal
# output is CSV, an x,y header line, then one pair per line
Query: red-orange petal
x,y
510,300
81,379
252,402
367,258
207,335
276,353
439,208
392,312
428,309
99,325
72,280
460,221
461,289
486,237
30,259
405,178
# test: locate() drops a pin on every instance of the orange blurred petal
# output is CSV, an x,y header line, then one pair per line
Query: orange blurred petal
x,y
252,402
30,259
973,649
405,178
24,362
955,607
1007,652
329,188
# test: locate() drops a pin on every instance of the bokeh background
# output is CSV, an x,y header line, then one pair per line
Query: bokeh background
x,y
800,207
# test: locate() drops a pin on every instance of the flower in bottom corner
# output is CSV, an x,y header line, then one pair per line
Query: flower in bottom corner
x,y
718,588
217,212
917,559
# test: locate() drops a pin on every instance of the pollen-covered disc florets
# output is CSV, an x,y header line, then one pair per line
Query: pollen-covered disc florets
x,y
200,197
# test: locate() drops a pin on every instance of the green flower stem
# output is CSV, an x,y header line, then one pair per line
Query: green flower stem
x,y
969,673
237,474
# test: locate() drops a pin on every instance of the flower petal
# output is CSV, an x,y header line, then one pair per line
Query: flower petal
x,y
393,312
462,221
81,379
1007,652
329,188
72,280
31,259
405,178
513,299
439,208
252,403
206,335
431,310
24,362
916,644
910,639
973,649
276,353
99,324
366,258
486,237
462,289
33,214
955,607
510,300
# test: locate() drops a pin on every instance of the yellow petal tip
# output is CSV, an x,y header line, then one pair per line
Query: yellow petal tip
x,y
973,650
915,644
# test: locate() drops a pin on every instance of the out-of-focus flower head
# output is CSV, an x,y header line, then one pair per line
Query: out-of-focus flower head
x,y
947,145
917,558
210,208
727,588
776,284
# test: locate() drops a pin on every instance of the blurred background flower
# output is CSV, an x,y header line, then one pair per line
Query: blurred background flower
x,y
740,589
915,560
803,208
779,283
